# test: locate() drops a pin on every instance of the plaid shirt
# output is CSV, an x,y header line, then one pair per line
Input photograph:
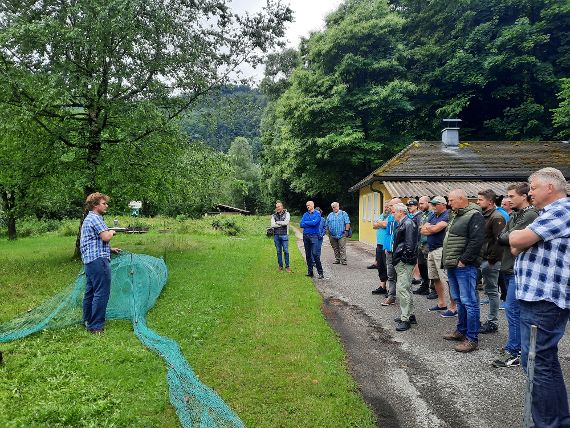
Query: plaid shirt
x,y
336,223
91,245
543,271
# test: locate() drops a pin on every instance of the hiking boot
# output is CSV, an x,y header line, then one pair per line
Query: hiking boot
x,y
321,276
457,336
412,319
467,346
449,314
279,269
437,308
309,274
380,290
422,291
506,359
390,300
432,295
488,327
403,326
288,270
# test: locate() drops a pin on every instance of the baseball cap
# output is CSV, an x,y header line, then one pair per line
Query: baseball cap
x,y
438,200
411,202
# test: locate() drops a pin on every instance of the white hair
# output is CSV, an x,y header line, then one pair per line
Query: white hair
x,y
400,207
550,176
334,204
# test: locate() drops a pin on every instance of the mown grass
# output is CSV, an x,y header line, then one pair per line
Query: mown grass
x,y
254,335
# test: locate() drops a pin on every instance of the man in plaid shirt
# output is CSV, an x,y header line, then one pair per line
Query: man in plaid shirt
x,y
96,256
542,270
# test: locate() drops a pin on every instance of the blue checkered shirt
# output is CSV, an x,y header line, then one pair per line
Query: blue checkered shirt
x,y
543,271
91,245
336,223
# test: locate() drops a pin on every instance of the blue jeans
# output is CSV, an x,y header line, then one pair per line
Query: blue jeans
x,y
97,290
549,398
463,289
512,311
282,244
313,245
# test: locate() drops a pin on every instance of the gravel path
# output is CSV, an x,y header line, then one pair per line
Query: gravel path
x,y
415,378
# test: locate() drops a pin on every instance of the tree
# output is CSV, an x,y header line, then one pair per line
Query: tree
x,y
83,70
562,113
99,73
244,188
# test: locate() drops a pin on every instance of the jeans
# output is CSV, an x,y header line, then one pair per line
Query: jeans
x,y
313,245
392,275
381,263
490,273
97,290
463,289
404,290
549,398
512,311
282,244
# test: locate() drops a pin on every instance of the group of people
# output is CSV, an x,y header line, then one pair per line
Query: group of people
x,y
315,227
525,246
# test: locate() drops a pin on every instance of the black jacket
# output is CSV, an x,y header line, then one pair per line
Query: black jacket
x,y
406,242
494,224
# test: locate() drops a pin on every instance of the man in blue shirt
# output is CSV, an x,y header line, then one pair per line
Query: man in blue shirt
x,y
390,224
338,225
380,254
96,256
542,276
310,222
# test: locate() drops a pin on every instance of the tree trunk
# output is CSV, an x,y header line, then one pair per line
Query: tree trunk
x,y
9,203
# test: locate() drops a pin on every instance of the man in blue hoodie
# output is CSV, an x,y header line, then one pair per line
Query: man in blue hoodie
x,y
310,223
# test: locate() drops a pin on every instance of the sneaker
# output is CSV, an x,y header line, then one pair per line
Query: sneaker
x,y
416,281
484,302
372,267
502,306
432,295
321,276
422,291
412,319
437,308
97,331
467,346
506,359
488,327
449,314
380,290
336,262
288,270
343,263
389,301
456,336
309,274
403,326
279,269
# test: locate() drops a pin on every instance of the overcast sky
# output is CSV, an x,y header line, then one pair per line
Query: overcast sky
x,y
308,16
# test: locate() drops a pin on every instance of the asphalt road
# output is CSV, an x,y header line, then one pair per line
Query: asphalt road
x,y
415,378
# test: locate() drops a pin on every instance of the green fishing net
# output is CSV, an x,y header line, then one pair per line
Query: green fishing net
x,y
137,281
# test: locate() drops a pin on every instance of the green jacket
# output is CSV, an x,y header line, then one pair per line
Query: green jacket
x,y
464,237
519,220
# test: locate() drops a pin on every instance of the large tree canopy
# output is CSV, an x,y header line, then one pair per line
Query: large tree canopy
x,y
386,72
92,73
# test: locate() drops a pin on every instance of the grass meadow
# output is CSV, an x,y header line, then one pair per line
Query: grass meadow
x,y
254,335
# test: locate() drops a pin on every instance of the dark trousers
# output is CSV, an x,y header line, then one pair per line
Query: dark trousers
x,y
312,245
97,290
422,266
549,398
381,263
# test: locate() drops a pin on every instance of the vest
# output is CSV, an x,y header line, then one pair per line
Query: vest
x,y
281,230
456,237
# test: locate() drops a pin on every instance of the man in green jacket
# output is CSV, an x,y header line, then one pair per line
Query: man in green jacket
x,y
462,257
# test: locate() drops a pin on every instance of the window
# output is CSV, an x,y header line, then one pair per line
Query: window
x,y
370,207
363,208
376,206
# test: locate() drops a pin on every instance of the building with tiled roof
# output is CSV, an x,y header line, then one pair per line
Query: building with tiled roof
x,y
436,167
